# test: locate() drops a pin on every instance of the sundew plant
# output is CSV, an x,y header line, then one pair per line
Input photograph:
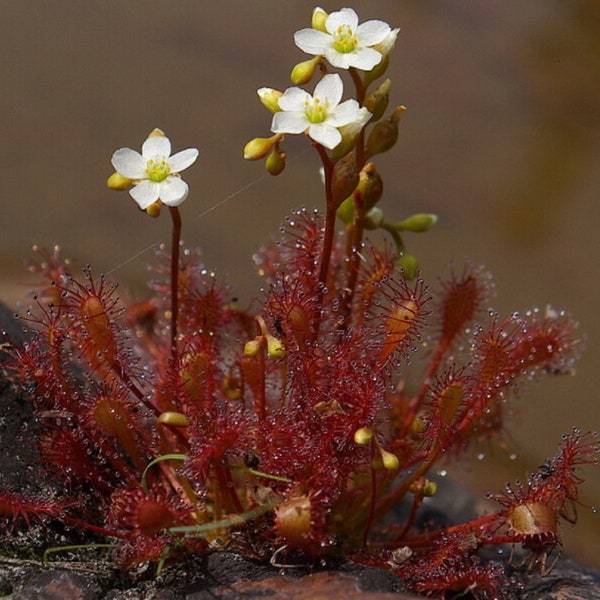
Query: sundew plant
x,y
183,424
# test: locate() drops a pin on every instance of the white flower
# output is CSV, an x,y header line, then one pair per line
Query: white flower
x,y
320,115
154,172
345,43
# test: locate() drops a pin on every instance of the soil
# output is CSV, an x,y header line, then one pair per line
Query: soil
x,y
222,575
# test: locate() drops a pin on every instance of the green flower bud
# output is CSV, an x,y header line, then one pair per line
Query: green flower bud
x,y
369,189
344,178
175,419
377,101
384,135
363,436
154,209
390,461
253,347
259,147
304,71
275,347
270,98
118,182
408,263
319,16
275,163
417,222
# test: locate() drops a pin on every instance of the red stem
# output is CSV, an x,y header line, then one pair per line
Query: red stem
x,y
175,240
330,216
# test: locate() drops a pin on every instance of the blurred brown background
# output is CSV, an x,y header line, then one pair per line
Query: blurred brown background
x,y
501,139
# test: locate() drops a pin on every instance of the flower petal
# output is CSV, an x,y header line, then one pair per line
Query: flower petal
x,y
312,41
372,32
182,160
325,135
289,122
145,193
294,98
129,163
156,145
344,16
345,113
362,58
173,191
330,87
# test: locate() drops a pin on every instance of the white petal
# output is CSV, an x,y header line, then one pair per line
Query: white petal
x,y
129,163
325,135
156,145
372,32
338,59
345,16
173,191
289,122
294,99
312,41
345,113
363,58
182,160
330,87
145,193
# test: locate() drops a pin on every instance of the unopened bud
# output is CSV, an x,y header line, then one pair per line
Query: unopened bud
x,y
377,101
275,162
259,147
304,71
385,134
344,178
417,222
390,461
319,16
363,436
369,189
154,209
275,347
117,182
253,347
270,98
175,419
408,264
